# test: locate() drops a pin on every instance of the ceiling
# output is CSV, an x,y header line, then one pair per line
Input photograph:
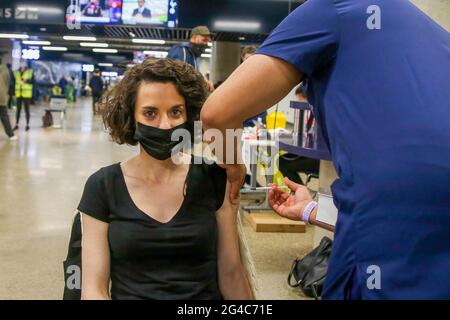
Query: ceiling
x,y
122,32
174,34
120,36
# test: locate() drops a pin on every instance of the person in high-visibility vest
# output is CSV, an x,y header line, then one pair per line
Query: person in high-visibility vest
x,y
23,93
56,90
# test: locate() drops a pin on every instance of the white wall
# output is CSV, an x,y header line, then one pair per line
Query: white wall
x,y
438,10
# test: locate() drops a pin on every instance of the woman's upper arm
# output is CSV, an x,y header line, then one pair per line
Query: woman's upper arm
x,y
95,258
228,240
95,246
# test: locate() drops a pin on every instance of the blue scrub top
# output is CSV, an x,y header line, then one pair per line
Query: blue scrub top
x,y
382,97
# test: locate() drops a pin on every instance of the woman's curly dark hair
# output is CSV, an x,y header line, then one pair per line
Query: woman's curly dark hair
x,y
117,105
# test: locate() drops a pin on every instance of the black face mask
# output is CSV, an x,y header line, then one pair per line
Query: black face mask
x,y
197,49
157,142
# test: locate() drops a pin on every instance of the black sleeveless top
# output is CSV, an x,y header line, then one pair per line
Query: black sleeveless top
x,y
154,260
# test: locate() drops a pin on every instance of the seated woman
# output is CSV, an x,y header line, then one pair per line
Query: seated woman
x,y
153,227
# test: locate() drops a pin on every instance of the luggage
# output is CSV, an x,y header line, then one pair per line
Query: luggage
x,y
47,119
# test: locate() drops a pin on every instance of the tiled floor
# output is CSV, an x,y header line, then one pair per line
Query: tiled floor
x,y
41,180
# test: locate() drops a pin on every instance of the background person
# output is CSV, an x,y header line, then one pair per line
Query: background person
x,y
76,86
142,11
24,79
96,84
12,85
93,9
4,98
63,84
190,52
247,52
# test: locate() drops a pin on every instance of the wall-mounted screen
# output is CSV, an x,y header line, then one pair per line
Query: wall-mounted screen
x,y
94,11
154,12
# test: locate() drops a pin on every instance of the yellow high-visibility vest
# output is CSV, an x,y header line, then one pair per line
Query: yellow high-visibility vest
x,y
56,91
23,89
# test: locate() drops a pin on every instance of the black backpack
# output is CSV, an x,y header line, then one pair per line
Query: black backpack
x,y
72,265
310,272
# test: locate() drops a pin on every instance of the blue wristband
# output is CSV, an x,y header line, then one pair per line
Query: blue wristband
x,y
308,210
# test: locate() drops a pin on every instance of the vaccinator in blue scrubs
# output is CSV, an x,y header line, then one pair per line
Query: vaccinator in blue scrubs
x,y
378,78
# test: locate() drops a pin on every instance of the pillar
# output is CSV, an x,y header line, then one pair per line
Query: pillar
x,y
226,56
